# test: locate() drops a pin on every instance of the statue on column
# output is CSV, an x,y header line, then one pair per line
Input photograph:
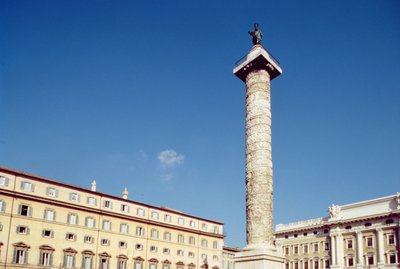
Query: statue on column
x,y
256,35
334,211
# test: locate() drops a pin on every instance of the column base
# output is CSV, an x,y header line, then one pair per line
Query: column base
x,y
259,257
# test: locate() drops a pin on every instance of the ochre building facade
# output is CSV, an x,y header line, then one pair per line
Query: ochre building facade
x,y
362,235
49,224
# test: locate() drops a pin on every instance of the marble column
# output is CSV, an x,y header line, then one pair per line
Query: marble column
x,y
257,70
333,250
359,239
340,252
381,251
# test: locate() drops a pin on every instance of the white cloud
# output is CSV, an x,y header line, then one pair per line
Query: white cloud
x,y
170,158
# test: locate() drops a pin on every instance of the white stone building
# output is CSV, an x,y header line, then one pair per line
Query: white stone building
x,y
359,235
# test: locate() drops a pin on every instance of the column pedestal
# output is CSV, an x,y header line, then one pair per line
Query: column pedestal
x,y
260,258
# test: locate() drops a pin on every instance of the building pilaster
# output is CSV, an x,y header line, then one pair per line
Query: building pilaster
x,y
359,239
381,251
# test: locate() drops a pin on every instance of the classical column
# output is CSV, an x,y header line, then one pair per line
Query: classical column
x,y
359,249
380,246
340,251
257,70
333,250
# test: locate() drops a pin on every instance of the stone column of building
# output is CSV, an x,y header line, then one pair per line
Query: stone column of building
x,y
359,249
333,250
340,250
379,240
257,70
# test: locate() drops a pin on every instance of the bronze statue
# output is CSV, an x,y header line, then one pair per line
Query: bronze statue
x,y
256,35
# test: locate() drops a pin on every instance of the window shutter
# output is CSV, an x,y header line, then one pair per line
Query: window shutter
x,y
111,205
56,192
15,256
94,223
86,221
54,215
27,230
41,258
45,214
19,209
26,256
51,259
2,206
33,187
65,260
30,211
6,180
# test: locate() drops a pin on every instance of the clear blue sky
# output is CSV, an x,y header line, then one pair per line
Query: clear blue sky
x,y
99,90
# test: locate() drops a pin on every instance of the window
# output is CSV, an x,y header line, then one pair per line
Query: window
x,y
140,212
104,260
46,253
153,249
181,239
166,250
138,264
3,181
204,243
122,262
154,234
215,245
286,250
316,247
107,204
154,215
167,218
369,242
370,260
106,225
49,214
350,261
204,257
305,249
215,258
22,230
392,258
90,222
216,229
316,264
167,236
27,186
52,192
70,236
326,246
349,243
25,210
47,233
181,221
123,244
139,231
296,265
166,265
191,254
2,206
192,241
73,196
88,239
20,253
390,239
296,250
192,224
72,219
124,228
139,247
125,208
105,242
327,264
69,258
305,264
91,201
179,252
87,259
152,265
204,226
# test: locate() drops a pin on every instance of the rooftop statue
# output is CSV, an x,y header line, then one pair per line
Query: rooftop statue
x,y
256,35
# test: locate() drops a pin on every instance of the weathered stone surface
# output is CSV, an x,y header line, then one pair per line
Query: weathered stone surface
x,y
258,159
